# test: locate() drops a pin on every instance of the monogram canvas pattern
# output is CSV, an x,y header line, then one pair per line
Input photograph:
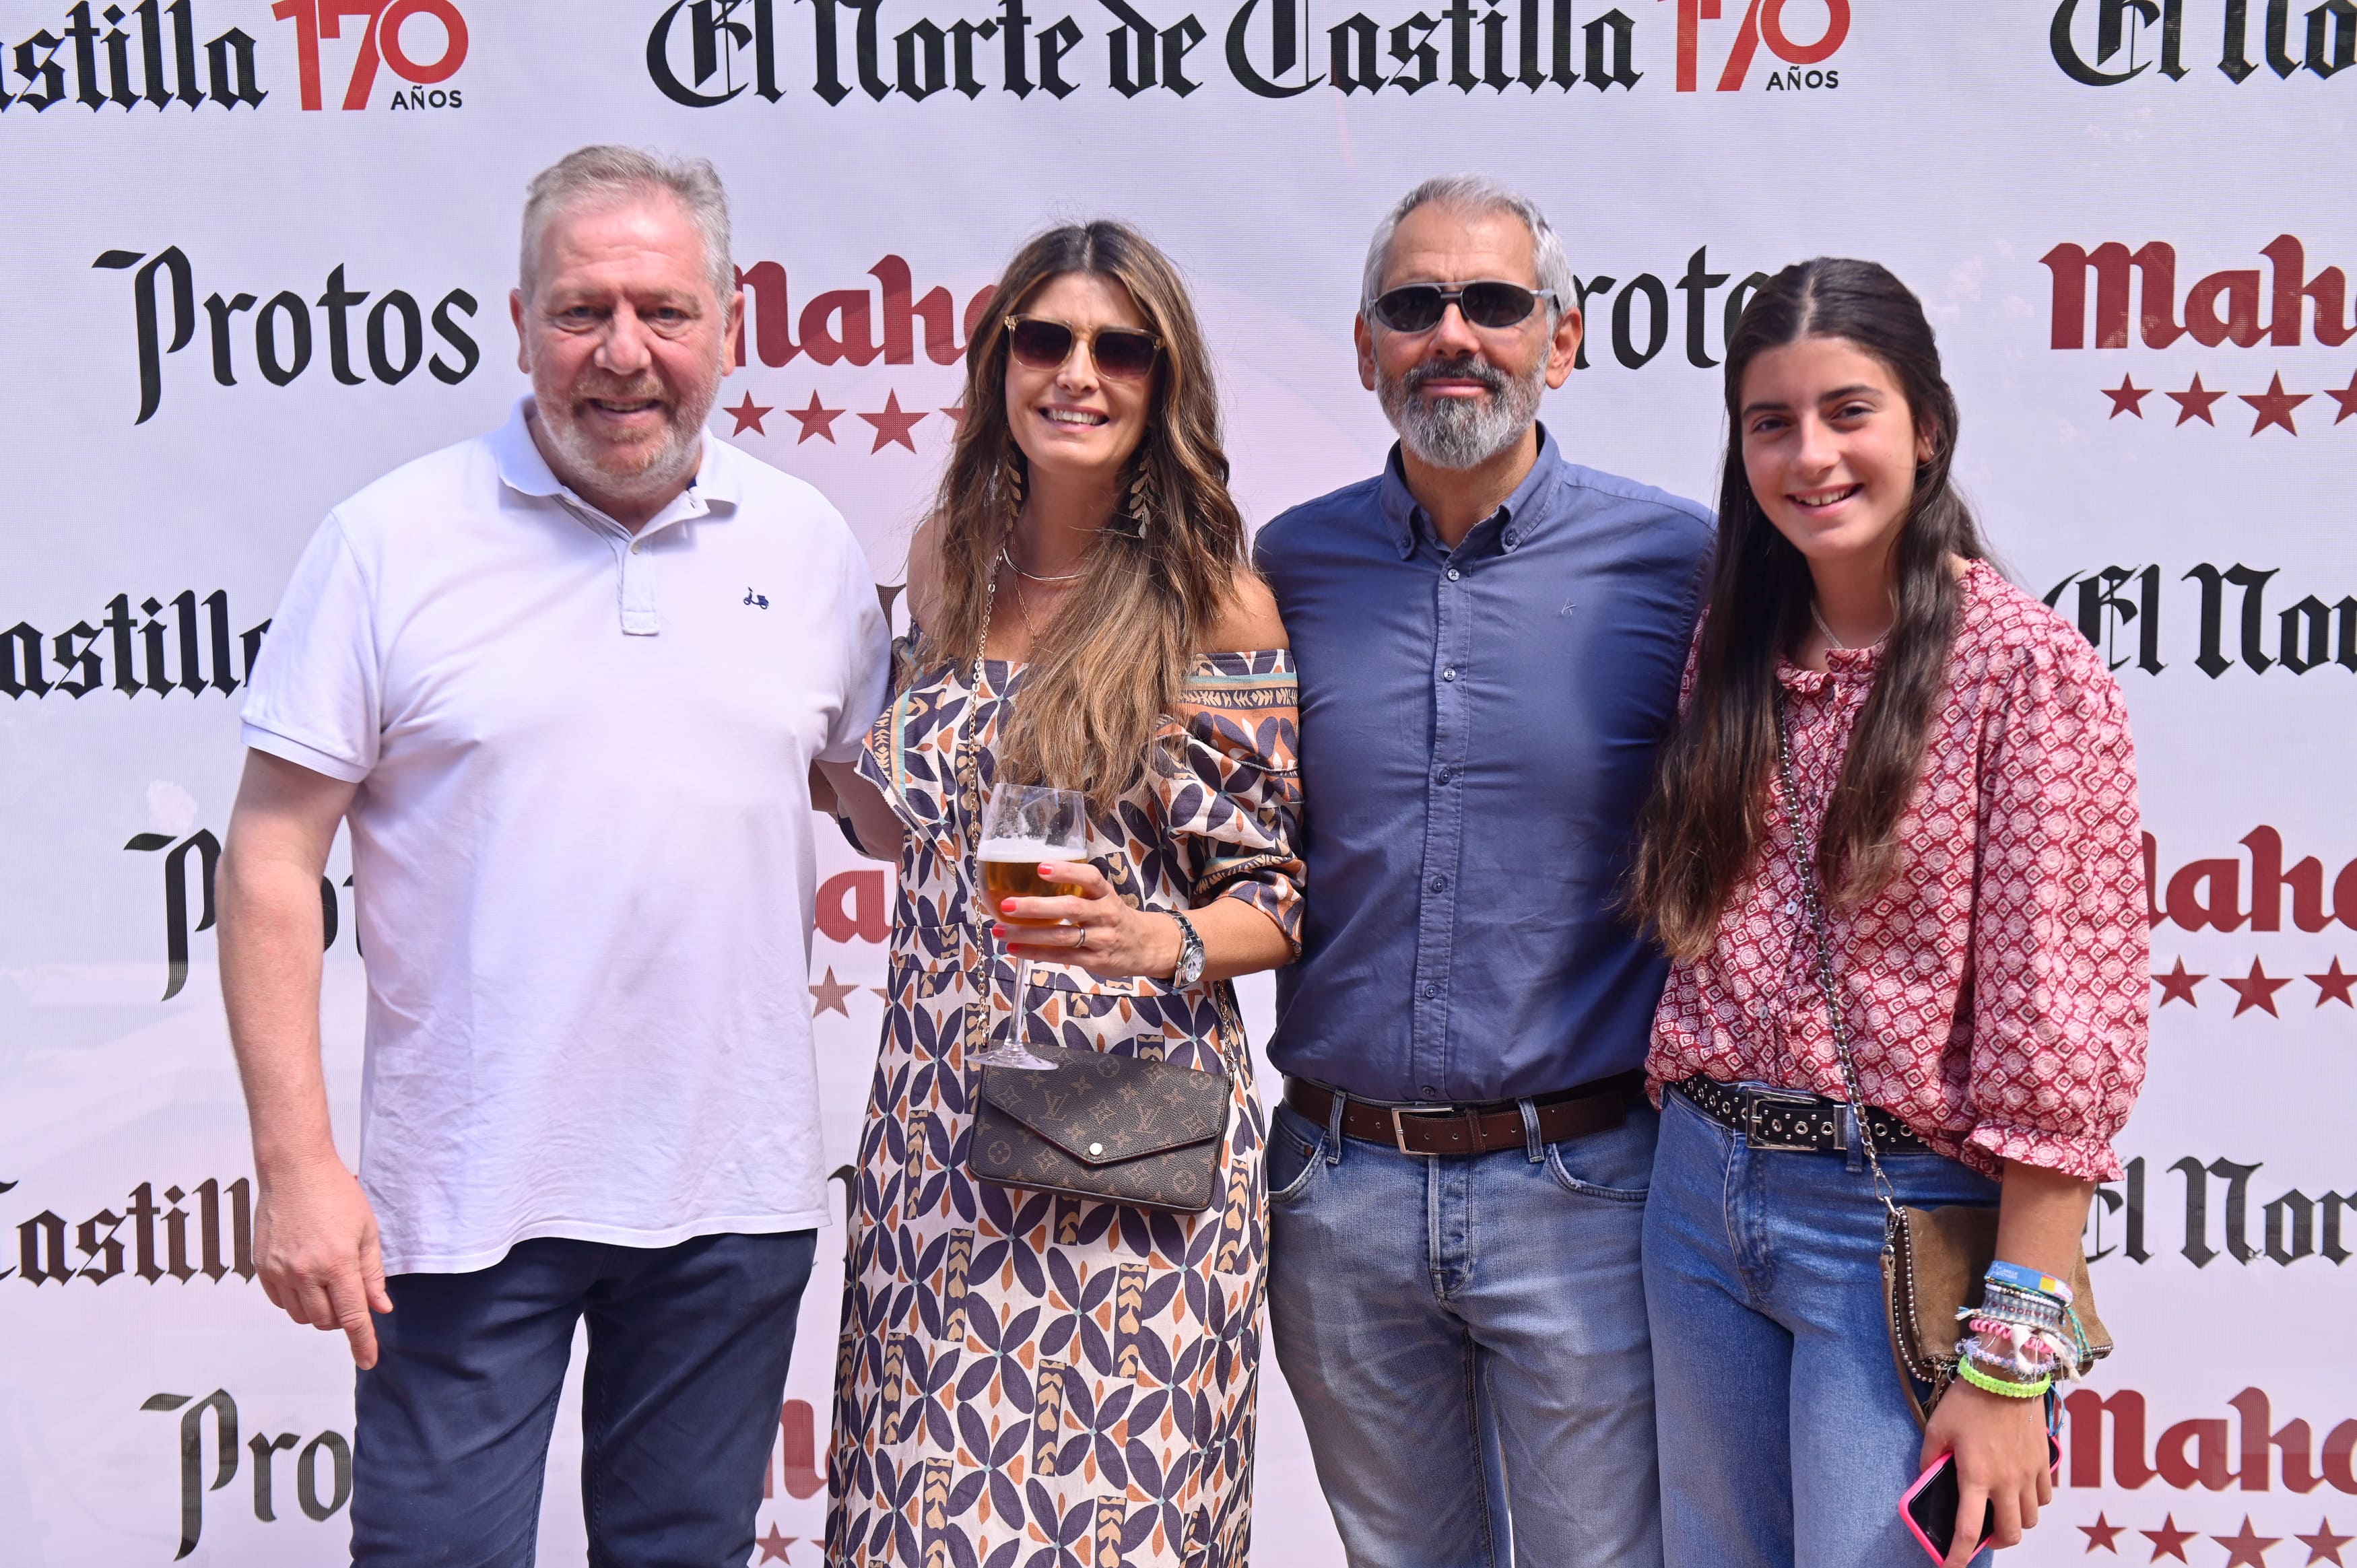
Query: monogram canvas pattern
x,y
1997,992
1101,1125
1022,1379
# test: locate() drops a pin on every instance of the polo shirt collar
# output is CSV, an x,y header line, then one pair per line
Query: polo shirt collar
x,y
1526,509
719,474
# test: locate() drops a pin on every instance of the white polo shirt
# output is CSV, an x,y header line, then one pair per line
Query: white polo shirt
x,y
581,844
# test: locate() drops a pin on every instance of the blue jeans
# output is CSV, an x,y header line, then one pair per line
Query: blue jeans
x,y
688,1347
1465,1336
1785,1436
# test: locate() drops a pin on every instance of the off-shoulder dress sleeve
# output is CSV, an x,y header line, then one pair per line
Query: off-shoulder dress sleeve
x,y
1230,797
2061,971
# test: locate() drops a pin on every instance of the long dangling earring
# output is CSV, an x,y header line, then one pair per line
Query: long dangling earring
x,y
1011,480
1139,507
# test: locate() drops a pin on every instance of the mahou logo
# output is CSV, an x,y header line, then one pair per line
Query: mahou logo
x,y
2105,43
127,56
1795,63
414,56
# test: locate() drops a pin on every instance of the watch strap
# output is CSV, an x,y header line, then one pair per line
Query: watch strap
x,y
1190,951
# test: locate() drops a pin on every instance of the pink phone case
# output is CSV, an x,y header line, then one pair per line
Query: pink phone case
x,y
1907,1515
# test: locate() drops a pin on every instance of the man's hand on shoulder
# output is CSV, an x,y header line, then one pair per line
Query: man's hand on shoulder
x,y
316,1250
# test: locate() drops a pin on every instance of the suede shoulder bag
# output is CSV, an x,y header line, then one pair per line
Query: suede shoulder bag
x,y
1932,1259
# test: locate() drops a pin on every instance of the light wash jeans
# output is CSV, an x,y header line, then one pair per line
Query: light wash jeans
x,y
1465,1336
1785,1438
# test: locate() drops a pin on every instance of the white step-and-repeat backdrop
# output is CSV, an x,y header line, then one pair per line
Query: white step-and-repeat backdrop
x,y
255,255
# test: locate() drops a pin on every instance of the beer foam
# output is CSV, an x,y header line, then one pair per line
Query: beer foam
x,y
1031,850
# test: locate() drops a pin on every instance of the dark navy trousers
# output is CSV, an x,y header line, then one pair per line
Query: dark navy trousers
x,y
688,1349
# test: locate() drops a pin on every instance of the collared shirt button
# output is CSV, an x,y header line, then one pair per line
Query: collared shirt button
x,y
1431,991
1430,1089
1449,674
1454,573
1440,885
1445,775
1511,538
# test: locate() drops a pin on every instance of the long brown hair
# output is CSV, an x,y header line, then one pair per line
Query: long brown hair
x,y
1699,835
1103,674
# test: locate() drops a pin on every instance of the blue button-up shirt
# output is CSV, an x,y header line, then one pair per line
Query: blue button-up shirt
x,y
1478,731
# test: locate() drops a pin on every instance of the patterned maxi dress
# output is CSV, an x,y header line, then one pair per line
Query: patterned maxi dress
x,y
1024,1380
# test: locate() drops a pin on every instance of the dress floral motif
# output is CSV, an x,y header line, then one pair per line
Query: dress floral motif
x,y
1995,992
1024,1380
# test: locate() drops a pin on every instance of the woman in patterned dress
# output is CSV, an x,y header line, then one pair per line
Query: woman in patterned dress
x,y
1872,711
1026,1380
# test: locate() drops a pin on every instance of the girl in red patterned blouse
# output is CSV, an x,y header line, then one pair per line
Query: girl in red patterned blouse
x,y
1875,715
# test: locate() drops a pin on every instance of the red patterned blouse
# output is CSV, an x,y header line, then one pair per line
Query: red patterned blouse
x,y
1997,992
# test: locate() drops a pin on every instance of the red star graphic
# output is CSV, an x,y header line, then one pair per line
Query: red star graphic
x,y
2127,398
2169,1541
773,1545
957,416
747,415
2346,399
2101,1533
893,423
2274,406
816,419
2324,1546
2246,1546
826,995
2177,985
2193,402
2333,985
2255,989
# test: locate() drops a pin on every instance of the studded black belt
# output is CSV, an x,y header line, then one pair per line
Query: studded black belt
x,y
1777,1119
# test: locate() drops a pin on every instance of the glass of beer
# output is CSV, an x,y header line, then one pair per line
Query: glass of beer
x,y
1022,825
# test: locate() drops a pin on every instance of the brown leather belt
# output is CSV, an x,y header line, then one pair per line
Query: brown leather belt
x,y
1472,1129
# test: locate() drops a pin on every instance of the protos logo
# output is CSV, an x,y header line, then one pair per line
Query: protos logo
x,y
381,38
1766,22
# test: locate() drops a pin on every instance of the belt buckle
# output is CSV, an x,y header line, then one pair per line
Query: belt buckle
x,y
1399,1133
1798,1103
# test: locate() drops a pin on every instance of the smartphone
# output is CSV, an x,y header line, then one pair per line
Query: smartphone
x,y
1929,1506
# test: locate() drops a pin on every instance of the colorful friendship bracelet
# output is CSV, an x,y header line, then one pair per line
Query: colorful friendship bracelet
x,y
2030,1280
2000,1386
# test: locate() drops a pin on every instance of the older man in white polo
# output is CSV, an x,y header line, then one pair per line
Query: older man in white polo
x,y
565,682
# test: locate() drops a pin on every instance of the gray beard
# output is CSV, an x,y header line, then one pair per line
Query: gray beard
x,y
673,459
1462,433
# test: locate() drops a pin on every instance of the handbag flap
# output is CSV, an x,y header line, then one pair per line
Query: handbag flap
x,y
1952,1248
1102,1109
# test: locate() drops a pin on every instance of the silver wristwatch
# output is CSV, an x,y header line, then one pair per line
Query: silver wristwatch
x,y
1191,952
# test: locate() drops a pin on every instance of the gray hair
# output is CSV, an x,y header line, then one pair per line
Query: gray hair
x,y
1474,193
590,176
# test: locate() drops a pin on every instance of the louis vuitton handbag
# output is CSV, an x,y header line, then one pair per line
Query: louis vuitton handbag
x,y
1117,1129
1932,1259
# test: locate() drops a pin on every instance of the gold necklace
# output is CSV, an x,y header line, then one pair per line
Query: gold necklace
x,y
1021,608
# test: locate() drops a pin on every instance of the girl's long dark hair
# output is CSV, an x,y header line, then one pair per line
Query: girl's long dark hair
x,y
1700,834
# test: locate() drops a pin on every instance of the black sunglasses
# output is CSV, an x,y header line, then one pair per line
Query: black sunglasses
x,y
1418,306
1125,353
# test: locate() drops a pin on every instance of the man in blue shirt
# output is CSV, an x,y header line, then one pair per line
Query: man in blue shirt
x,y
1490,640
